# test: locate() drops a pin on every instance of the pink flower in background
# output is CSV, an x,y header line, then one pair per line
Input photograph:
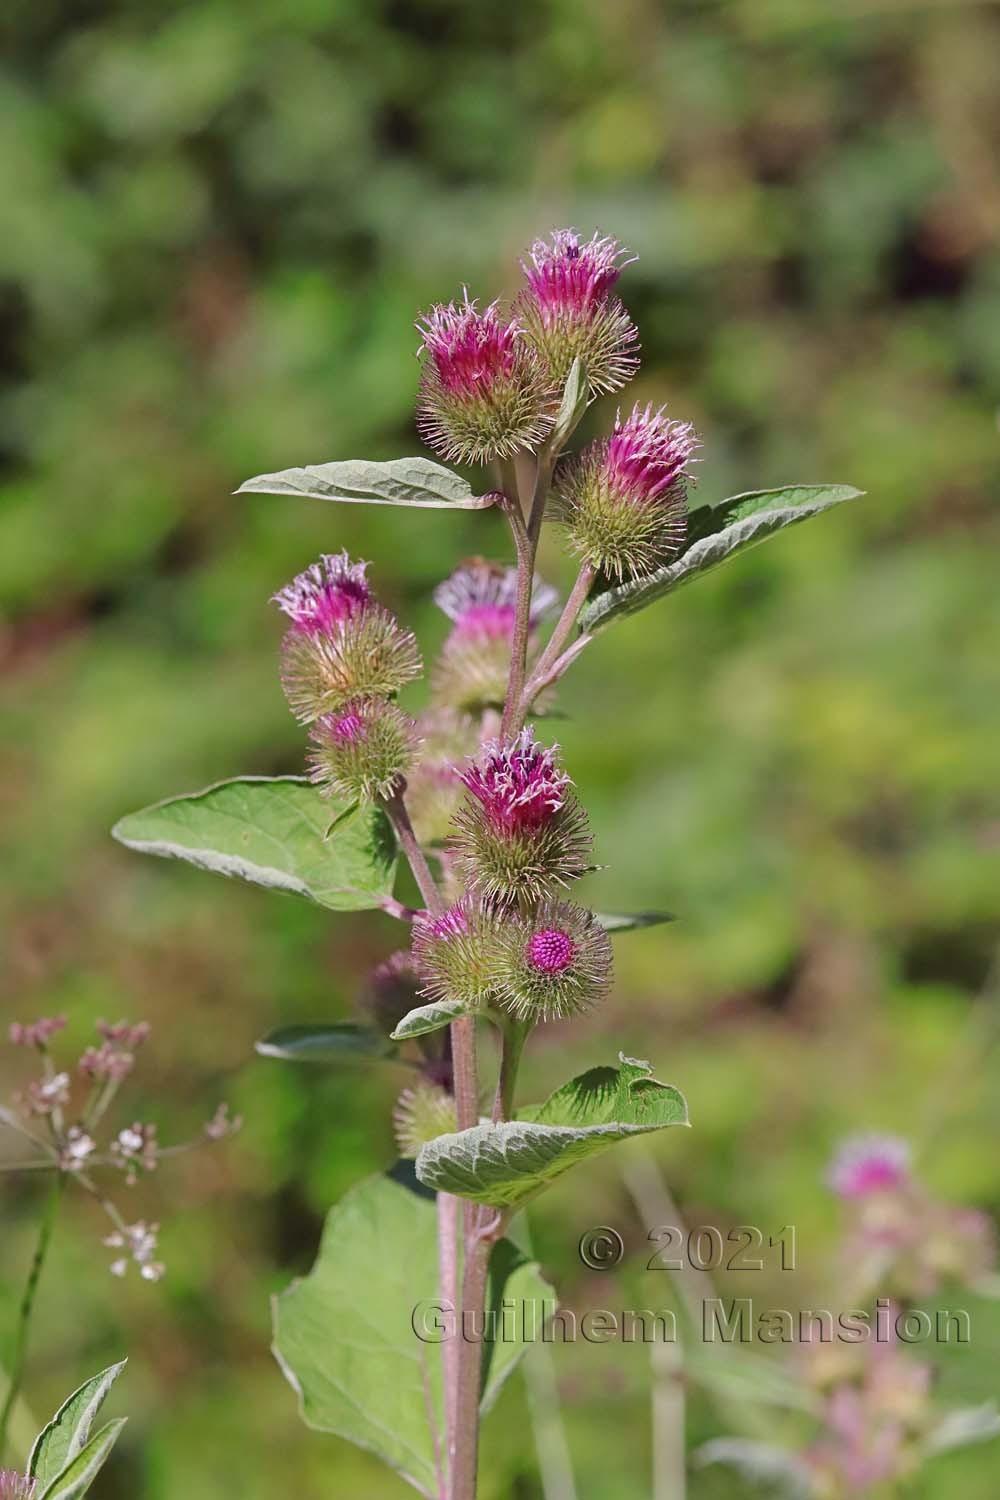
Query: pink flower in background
x,y
480,598
868,1164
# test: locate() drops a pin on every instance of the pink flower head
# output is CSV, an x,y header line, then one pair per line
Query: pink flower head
x,y
471,350
327,594
484,392
647,455
518,784
453,924
35,1034
868,1164
564,274
343,729
551,951
480,597
15,1486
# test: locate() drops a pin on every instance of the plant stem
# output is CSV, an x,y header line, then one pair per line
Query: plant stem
x,y
26,1308
559,637
526,548
447,1223
470,1331
395,809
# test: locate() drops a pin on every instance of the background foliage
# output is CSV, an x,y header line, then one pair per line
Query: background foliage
x,y
220,221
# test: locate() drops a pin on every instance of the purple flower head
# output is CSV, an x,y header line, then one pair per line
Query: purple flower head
x,y
347,728
867,1164
518,785
15,1486
327,594
471,351
646,455
570,311
484,392
554,964
480,597
361,750
454,924
565,274
551,950
455,954
622,499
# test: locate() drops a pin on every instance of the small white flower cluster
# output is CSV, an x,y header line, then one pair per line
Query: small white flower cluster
x,y
139,1240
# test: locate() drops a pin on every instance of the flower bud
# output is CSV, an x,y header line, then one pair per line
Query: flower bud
x,y
622,500
455,955
391,992
569,310
480,598
363,750
422,1113
484,392
341,643
433,788
520,831
554,964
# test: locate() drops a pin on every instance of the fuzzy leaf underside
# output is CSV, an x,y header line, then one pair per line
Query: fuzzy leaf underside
x,y
354,1359
773,1470
336,1042
272,831
401,481
630,921
716,533
62,1439
76,1479
504,1165
427,1018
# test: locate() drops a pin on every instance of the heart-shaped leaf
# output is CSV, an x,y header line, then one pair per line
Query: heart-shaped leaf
x,y
428,1018
77,1477
273,832
62,1439
367,1365
715,533
506,1164
628,921
336,1042
401,481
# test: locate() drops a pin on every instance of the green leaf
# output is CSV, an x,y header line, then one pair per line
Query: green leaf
x,y
59,1443
336,1042
506,1164
716,533
353,1357
401,481
272,832
428,1018
782,1474
628,921
76,1479
571,408
964,1425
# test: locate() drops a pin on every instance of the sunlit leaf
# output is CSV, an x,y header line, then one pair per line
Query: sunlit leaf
x,y
336,1042
400,481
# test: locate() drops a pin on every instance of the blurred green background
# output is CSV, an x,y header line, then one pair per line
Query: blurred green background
x,y
220,222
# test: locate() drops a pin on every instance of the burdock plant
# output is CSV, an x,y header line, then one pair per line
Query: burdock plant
x,y
384,1340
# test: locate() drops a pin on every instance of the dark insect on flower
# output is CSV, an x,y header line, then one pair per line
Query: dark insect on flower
x,y
553,964
422,1113
455,954
363,750
569,309
484,392
480,598
521,831
341,643
623,499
